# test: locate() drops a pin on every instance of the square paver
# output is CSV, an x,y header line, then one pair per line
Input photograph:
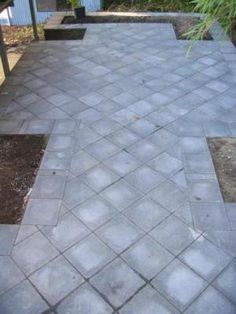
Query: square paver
x,y
40,106
148,301
89,255
56,160
179,284
117,282
59,99
99,177
66,233
119,233
42,212
66,126
158,99
198,163
54,113
37,126
73,107
143,127
180,179
60,143
125,99
144,150
10,274
163,139
102,149
211,301
218,86
123,137
125,116
168,195
194,145
8,234
207,216
205,191
146,213
121,195
94,212
122,163
184,213
49,187
144,178
26,300
92,99
224,239
87,300
24,232
105,126
82,162
142,107
225,282
88,116
205,258
58,274
10,126
147,257
86,136
174,234
33,253
76,193
166,164
110,91
231,211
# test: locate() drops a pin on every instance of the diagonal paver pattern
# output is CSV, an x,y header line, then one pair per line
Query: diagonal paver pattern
x,y
126,214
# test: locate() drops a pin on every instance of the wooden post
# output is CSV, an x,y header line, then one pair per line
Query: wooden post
x,y
33,18
3,54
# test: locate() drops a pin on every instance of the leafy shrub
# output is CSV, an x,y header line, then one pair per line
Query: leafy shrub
x,y
224,11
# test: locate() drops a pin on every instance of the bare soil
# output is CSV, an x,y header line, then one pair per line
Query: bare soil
x,y
181,25
233,35
20,157
65,34
223,151
17,38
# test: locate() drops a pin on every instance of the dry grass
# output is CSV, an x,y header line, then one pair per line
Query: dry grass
x,y
149,5
17,38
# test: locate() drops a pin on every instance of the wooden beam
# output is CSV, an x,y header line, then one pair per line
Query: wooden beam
x,y
3,54
5,4
33,18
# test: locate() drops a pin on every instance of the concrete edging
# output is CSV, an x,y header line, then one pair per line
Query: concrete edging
x,y
216,31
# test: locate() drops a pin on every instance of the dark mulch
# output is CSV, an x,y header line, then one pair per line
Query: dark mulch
x,y
64,34
223,151
20,156
181,25
233,35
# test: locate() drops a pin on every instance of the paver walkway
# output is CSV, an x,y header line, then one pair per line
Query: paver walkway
x,y
126,214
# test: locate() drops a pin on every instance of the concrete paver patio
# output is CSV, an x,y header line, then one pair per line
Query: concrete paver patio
x,y
126,214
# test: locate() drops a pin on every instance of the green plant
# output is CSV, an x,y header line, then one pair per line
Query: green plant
x,y
75,3
224,11
148,5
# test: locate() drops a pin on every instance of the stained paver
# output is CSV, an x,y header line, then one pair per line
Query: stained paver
x,y
118,282
87,300
126,197
58,274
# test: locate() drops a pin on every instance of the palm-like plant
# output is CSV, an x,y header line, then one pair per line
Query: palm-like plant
x,y
75,3
224,11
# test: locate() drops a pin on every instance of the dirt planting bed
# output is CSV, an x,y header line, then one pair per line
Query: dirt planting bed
x,y
181,24
223,151
20,157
